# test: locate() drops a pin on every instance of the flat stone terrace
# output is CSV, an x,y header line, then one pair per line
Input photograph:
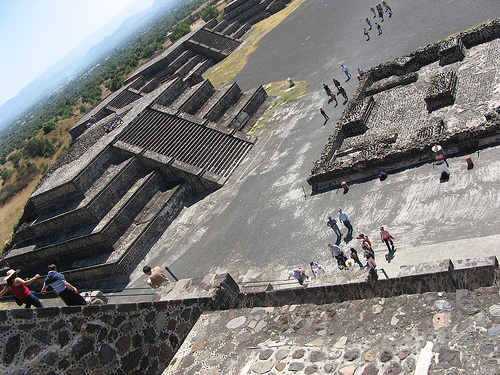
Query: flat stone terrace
x,y
430,333
399,129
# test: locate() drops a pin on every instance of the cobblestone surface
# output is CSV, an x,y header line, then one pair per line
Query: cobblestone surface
x,y
378,336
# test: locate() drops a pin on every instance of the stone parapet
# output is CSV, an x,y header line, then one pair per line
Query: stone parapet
x,y
442,91
245,108
130,337
146,336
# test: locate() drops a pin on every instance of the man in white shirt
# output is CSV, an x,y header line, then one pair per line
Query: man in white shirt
x,y
335,250
344,218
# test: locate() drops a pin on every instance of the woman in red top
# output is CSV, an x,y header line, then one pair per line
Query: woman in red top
x,y
19,288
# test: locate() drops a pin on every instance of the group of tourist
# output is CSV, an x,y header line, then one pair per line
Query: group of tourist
x,y
345,262
22,295
340,90
380,8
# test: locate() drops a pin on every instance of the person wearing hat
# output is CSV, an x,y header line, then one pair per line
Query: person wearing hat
x,y
67,292
19,288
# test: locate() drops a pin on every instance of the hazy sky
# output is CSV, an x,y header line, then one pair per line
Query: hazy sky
x,y
34,34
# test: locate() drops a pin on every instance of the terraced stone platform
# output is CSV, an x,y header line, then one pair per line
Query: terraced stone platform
x,y
446,93
136,157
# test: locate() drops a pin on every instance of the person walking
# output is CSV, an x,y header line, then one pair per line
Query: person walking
x,y
373,11
366,34
379,28
380,12
324,114
156,276
19,288
344,218
67,292
354,255
366,245
336,83
334,250
346,71
299,274
387,7
343,93
327,90
332,223
334,98
316,269
387,238
369,23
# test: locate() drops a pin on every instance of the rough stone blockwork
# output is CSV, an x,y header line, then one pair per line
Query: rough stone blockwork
x,y
409,95
143,337
104,339
442,91
94,216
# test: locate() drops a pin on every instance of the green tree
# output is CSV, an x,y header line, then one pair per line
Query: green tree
x,y
179,31
5,174
39,147
115,83
48,126
82,109
208,13
14,158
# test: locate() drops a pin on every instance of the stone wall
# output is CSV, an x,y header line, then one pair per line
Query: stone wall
x,y
142,338
440,276
134,338
330,169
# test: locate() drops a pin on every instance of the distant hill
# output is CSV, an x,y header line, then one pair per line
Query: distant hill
x,y
82,57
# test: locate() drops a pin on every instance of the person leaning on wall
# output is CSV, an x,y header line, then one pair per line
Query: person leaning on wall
x,y
19,288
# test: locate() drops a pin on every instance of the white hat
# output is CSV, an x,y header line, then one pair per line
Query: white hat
x,y
349,262
10,273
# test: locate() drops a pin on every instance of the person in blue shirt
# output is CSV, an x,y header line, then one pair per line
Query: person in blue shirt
x,y
67,292
332,223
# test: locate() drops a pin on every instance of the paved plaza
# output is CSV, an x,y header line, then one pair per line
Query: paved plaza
x,y
266,220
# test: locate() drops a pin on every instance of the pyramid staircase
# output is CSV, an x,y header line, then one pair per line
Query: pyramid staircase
x,y
105,228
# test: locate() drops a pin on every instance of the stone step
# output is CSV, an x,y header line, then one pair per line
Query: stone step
x,y
194,97
91,240
146,227
173,66
221,26
187,142
248,104
234,12
185,69
200,68
231,28
197,287
220,102
174,88
102,195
